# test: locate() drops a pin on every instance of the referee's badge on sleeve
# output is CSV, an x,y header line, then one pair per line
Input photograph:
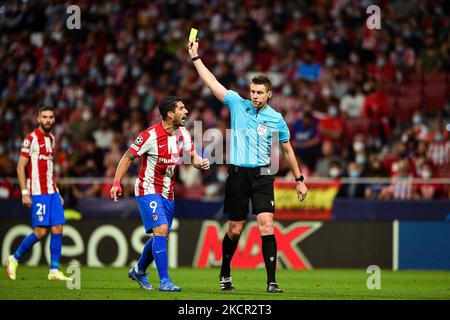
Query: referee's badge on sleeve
x,y
261,129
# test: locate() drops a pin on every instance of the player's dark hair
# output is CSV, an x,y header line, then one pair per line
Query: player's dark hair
x,y
168,104
46,108
262,79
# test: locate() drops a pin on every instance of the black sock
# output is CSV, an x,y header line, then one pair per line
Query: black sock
x,y
269,250
228,248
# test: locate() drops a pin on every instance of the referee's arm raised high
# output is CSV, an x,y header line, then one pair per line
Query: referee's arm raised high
x,y
208,78
220,92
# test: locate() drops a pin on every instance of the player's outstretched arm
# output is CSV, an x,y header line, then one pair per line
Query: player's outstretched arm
x,y
121,170
208,78
198,162
21,165
289,155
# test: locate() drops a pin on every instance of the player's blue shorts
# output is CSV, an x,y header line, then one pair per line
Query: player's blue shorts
x,y
155,211
47,210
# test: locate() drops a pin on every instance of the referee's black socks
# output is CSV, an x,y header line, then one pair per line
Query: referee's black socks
x,y
269,250
228,248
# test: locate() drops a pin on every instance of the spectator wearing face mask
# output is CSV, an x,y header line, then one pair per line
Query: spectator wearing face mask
x,y
357,147
309,69
63,158
331,126
352,190
306,141
426,190
420,156
420,129
335,170
81,191
439,148
382,68
81,124
351,104
376,108
402,56
328,157
401,187
375,169
103,135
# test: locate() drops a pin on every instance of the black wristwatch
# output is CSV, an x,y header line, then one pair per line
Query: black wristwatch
x,y
195,58
301,178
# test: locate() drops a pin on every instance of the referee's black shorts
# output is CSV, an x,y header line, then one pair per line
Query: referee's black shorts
x,y
244,184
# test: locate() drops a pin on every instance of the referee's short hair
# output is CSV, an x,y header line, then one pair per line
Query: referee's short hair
x,y
46,108
168,104
262,79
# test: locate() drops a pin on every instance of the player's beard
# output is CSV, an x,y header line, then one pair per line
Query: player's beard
x,y
45,128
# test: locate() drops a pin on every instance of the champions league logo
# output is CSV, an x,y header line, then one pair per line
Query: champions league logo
x,y
180,142
138,140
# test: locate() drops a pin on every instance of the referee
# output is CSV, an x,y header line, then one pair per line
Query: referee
x,y
253,123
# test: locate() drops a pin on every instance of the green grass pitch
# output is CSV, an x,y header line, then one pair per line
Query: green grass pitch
x,y
202,284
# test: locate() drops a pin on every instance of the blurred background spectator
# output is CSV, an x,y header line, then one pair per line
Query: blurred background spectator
x,y
333,80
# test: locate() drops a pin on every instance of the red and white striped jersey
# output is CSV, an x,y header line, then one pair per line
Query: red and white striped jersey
x,y
39,148
160,153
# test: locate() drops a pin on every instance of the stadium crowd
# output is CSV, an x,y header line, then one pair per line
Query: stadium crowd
x,y
359,102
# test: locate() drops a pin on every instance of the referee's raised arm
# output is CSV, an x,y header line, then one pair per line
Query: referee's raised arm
x,y
208,78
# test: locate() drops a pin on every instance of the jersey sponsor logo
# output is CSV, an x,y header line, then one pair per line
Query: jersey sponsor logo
x,y
139,140
44,157
261,129
164,160
161,145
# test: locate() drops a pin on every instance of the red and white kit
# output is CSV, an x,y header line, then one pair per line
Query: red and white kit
x,y
160,152
39,148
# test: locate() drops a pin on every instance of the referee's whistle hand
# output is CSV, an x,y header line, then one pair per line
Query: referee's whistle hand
x,y
302,191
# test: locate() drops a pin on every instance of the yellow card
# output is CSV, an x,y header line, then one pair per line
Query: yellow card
x,y
193,35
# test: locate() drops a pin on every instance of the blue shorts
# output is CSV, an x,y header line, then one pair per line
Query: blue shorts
x,y
47,210
155,211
